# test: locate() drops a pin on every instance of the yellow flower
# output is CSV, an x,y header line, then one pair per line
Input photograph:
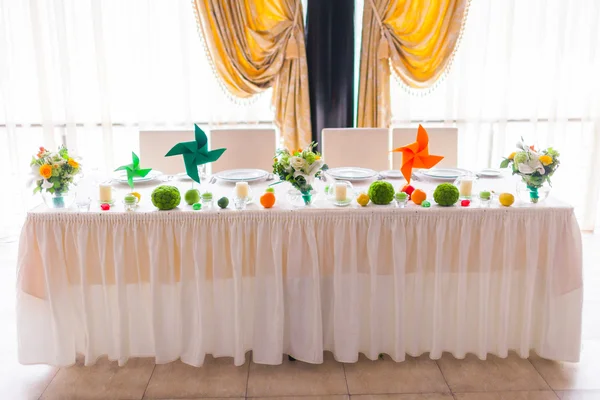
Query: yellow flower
x,y
512,155
46,171
546,159
73,163
317,157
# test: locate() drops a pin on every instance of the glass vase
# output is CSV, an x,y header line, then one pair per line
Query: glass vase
x,y
532,194
301,199
60,200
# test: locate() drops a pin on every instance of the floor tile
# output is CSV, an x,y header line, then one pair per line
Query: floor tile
x,y
413,396
218,377
104,380
579,395
24,382
514,395
568,376
415,375
329,397
296,378
495,374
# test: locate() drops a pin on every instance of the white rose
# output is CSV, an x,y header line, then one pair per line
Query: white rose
x,y
297,163
531,166
47,184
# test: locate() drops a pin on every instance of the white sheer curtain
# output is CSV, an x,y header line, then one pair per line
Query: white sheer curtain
x,y
91,74
524,68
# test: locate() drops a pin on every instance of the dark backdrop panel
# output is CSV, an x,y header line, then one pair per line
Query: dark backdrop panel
x,y
330,57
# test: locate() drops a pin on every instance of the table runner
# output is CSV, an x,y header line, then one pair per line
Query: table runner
x,y
183,284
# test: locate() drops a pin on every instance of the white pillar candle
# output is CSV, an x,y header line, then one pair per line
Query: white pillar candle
x,y
105,195
241,189
340,191
466,187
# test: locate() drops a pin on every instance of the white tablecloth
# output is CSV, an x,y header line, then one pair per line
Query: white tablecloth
x,y
183,284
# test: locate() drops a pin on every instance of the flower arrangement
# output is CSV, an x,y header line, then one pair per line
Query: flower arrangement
x,y
300,167
54,171
535,167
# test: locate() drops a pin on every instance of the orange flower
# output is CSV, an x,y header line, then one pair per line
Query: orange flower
x,y
46,171
512,155
73,163
41,152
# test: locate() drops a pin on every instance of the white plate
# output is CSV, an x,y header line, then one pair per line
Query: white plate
x,y
121,176
444,173
242,175
352,173
490,172
392,174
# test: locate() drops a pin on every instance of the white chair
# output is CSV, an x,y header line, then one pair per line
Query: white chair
x,y
246,148
356,147
155,144
442,142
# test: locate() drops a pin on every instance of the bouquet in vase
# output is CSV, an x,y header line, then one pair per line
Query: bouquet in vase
x,y
54,172
300,168
533,166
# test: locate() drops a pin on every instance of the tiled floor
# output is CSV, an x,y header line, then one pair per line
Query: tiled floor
x,y
415,379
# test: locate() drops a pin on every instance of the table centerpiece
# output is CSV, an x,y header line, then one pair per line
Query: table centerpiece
x,y
535,169
299,168
54,174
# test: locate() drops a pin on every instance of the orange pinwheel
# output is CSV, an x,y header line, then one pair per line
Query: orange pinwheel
x,y
416,155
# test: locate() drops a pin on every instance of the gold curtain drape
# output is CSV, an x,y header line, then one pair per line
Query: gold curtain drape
x,y
257,44
417,37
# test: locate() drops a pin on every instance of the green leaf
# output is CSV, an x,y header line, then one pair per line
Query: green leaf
x,y
505,163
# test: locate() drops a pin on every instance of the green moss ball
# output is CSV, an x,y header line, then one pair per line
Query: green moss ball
x,y
381,192
446,194
166,197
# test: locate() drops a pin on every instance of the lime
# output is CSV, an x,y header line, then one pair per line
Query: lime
x,y
223,202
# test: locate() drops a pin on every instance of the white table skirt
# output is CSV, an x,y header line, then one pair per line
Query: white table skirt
x,y
184,284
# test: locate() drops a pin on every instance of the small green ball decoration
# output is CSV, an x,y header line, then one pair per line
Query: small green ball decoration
x,y
381,192
166,197
223,202
197,206
446,194
425,204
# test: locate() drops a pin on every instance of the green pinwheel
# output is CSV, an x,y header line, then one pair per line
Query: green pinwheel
x,y
195,153
134,169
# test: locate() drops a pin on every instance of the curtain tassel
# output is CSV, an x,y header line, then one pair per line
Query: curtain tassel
x,y
291,51
383,51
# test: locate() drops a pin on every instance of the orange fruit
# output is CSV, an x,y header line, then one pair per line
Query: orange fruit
x,y
267,200
418,196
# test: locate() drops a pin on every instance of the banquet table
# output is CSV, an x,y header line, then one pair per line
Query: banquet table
x,y
182,284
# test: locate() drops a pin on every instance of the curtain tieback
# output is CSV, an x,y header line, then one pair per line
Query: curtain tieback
x,y
291,50
383,50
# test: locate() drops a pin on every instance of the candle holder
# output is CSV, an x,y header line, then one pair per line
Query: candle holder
x,y
340,193
242,196
130,202
207,200
240,203
485,198
466,186
401,199
83,204
105,194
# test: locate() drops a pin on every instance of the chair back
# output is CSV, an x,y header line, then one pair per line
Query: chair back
x,y
246,148
155,144
442,142
356,147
